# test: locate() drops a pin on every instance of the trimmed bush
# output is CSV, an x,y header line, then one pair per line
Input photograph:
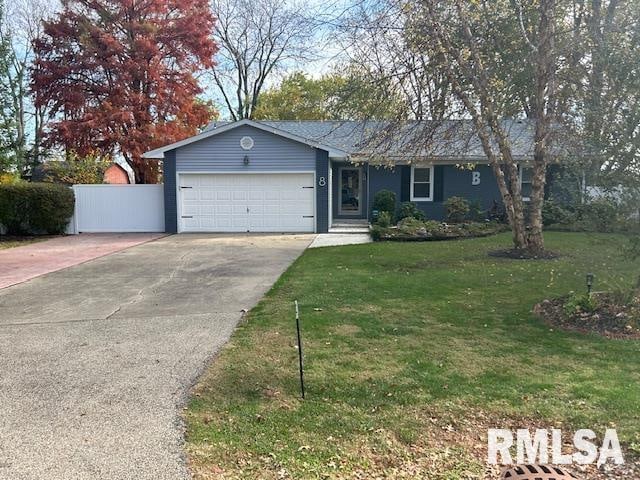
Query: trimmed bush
x,y
385,201
457,209
410,210
35,208
476,213
384,219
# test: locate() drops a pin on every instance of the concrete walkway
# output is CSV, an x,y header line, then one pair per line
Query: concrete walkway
x,y
97,360
336,239
20,264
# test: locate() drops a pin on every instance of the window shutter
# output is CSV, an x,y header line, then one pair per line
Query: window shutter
x,y
438,185
405,183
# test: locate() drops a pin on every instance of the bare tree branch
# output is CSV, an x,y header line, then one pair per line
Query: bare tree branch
x,y
257,39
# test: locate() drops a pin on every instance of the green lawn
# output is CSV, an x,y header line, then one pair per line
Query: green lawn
x,y
412,350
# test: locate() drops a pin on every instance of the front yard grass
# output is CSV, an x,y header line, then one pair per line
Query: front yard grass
x,y
412,351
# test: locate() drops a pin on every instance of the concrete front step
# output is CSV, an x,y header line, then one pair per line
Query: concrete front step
x,y
351,223
351,229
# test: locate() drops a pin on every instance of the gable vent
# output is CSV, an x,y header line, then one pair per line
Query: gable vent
x,y
246,143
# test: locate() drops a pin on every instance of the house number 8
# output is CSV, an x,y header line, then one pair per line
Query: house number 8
x,y
322,182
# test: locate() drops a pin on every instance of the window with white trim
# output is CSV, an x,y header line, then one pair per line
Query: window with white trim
x,y
422,184
526,179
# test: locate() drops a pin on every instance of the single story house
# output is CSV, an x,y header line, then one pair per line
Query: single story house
x,y
306,176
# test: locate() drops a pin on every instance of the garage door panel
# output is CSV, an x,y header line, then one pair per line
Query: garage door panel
x,y
221,210
239,196
207,194
247,202
189,194
191,210
223,221
222,195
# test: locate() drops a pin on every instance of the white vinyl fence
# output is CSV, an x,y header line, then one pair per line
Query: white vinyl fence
x,y
118,208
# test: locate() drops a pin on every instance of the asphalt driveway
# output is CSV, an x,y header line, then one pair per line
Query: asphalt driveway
x,y
97,360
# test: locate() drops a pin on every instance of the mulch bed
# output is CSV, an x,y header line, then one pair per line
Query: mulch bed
x,y
431,237
443,232
611,319
516,254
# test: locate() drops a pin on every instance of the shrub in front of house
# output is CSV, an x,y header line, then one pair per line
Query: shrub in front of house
x,y
456,209
410,210
385,201
35,208
553,213
600,215
384,219
476,212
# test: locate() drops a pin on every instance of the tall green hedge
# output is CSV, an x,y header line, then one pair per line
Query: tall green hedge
x,y
35,208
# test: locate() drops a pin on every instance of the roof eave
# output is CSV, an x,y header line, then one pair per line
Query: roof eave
x,y
158,153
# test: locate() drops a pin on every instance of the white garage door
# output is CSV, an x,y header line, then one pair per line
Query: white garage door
x,y
247,202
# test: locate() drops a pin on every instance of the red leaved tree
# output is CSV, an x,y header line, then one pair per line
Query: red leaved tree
x,y
120,75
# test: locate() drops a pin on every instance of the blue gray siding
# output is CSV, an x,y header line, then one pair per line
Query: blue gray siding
x,y
170,203
222,153
449,181
322,191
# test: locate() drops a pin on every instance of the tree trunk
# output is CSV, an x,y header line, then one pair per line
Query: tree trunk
x,y
139,173
538,181
543,108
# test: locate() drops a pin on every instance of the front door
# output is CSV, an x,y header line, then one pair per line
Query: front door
x,y
350,191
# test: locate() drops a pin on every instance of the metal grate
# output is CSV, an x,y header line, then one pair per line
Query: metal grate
x,y
537,472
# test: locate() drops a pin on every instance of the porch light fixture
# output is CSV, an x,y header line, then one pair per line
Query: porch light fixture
x,y
590,277
245,160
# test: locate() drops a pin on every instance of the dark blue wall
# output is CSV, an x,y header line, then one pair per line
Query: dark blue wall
x,y
170,203
322,191
449,181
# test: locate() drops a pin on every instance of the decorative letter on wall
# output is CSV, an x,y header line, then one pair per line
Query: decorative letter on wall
x,y
475,178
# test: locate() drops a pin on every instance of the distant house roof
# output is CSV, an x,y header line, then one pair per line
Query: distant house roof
x,y
450,139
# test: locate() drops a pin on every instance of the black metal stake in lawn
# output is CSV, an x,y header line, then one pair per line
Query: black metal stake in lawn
x,y
300,350
590,277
